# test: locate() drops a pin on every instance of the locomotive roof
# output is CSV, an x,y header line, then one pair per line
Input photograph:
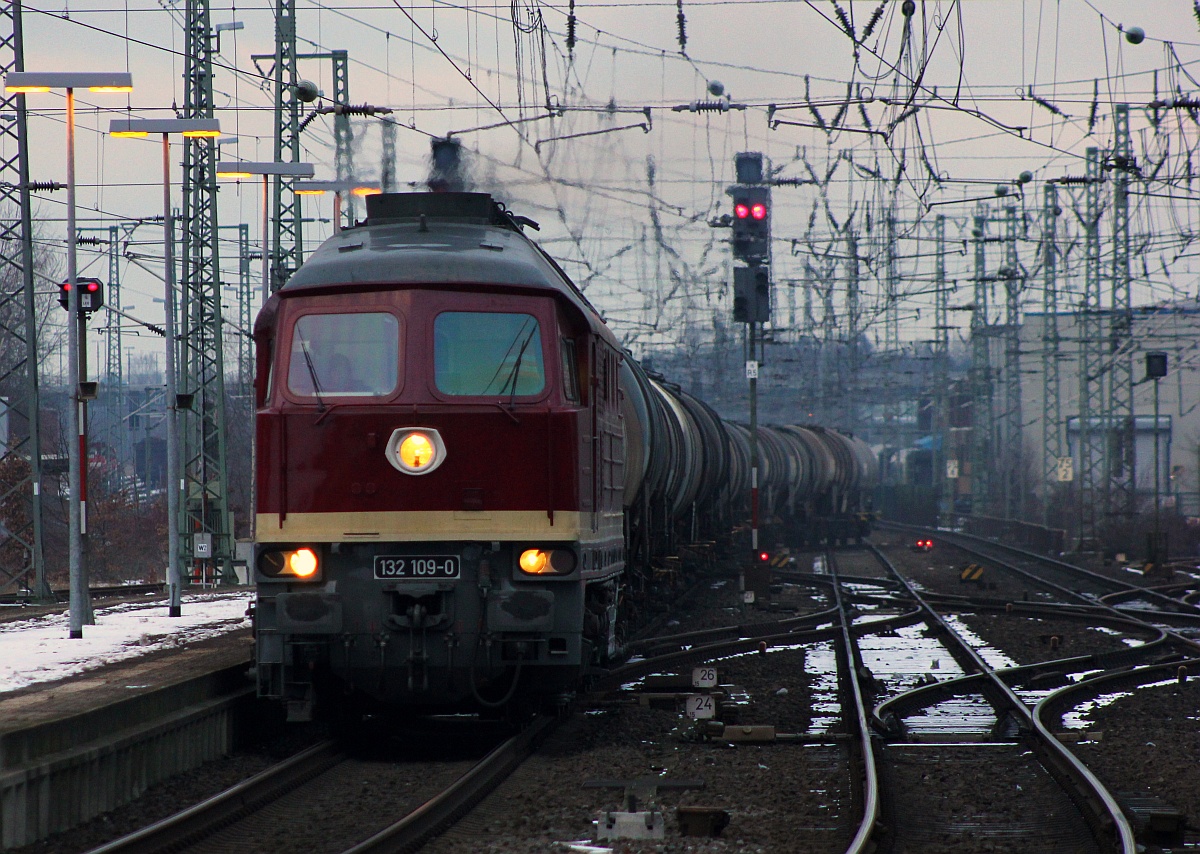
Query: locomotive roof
x,y
434,238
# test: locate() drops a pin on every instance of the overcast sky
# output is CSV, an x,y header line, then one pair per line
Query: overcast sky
x,y
627,210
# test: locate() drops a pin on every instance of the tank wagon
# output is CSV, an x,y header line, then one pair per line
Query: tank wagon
x,y
458,468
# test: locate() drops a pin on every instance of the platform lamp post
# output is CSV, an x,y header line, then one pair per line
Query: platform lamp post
x,y
248,169
338,188
43,81
1156,369
191,128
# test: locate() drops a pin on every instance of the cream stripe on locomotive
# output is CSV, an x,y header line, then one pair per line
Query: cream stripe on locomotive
x,y
423,525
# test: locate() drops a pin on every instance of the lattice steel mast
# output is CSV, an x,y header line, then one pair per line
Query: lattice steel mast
x,y
1122,485
112,391
1091,360
205,524
18,326
852,285
981,379
1014,286
387,166
1053,444
287,242
941,375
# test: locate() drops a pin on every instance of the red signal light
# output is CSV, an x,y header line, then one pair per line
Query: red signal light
x,y
758,211
764,556
741,210
91,294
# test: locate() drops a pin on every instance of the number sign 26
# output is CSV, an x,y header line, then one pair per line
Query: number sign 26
x,y
704,677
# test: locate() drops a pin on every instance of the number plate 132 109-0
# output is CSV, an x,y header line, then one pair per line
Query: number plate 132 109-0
x,y
417,566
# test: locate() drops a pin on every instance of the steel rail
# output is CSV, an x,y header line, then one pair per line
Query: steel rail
x,y
803,622
1025,675
1053,704
208,816
442,810
1129,615
862,841
1072,774
106,591
958,539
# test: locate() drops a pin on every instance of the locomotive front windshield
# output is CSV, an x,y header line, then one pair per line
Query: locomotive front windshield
x,y
346,355
488,353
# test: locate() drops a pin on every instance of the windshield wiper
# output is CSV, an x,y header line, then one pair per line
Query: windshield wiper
x,y
516,371
312,374
508,352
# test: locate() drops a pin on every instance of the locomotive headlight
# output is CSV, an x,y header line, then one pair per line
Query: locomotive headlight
x,y
546,561
301,564
534,561
416,450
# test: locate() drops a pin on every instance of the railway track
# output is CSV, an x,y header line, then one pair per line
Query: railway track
x,y
1073,583
115,591
926,758
975,733
275,810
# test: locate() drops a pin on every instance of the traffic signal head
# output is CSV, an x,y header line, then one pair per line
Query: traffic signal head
x,y
751,223
1156,365
751,295
91,294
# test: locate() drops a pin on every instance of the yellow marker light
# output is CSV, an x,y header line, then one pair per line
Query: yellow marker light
x,y
26,89
416,452
110,88
366,191
535,562
235,175
128,134
303,192
302,563
206,134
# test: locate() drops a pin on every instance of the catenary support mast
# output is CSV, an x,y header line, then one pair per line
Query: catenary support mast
x,y
1056,466
26,568
206,529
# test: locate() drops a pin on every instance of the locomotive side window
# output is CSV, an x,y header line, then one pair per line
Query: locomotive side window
x,y
488,353
570,369
344,355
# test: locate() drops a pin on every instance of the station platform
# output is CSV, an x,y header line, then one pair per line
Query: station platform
x,y
87,724
133,648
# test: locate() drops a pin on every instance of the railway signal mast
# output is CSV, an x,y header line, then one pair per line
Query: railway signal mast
x,y
751,241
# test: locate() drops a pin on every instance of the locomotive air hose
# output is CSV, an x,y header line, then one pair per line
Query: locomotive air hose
x,y
508,695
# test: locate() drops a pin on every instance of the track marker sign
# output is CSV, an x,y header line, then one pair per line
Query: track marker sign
x,y
704,676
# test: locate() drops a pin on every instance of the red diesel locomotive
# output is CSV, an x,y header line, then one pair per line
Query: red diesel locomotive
x,y
453,458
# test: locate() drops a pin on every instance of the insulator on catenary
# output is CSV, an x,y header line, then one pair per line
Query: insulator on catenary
x,y
358,109
719,106
44,186
571,29
682,27
1174,104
